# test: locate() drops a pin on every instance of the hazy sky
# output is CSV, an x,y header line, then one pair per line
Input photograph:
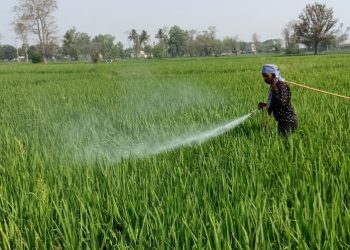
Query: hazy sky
x,y
230,17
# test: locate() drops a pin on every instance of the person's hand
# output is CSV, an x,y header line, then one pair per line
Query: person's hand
x,y
261,105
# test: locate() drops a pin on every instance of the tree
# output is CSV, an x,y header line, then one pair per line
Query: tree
x,y
34,54
22,29
69,44
77,45
8,52
118,50
192,47
144,38
52,49
271,45
290,38
177,39
37,15
83,43
342,34
158,51
230,45
104,44
316,25
135,38
244,46
206,42
163,40
255,44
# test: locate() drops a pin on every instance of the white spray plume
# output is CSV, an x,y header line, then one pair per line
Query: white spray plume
x,y
202,136
113,150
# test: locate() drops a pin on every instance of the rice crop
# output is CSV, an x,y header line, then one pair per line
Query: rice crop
x,y
84,162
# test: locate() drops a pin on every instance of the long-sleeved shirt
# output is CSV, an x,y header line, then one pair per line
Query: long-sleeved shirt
x,y
280,104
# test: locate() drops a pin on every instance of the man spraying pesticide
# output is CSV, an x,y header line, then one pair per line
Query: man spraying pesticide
x,y
279,100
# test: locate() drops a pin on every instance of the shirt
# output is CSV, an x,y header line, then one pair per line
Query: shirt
x,y
280,104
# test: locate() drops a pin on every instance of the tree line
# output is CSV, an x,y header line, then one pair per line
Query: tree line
x,y
314,29
170,42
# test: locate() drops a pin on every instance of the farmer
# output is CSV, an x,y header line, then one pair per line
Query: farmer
x,y
279,100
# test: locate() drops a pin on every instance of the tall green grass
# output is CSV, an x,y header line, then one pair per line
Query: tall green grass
x,y
76,169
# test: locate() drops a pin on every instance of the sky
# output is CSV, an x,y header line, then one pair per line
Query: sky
x,y
231,18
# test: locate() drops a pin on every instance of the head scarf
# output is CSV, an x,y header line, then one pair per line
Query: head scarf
x,y
272,68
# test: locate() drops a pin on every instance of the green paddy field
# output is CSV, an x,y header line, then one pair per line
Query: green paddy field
x,y
83,163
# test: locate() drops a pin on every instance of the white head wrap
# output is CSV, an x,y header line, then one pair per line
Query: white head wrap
x,y
272,68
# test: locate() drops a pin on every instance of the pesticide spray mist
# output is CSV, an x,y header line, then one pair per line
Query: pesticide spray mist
x,y
202,136
143,127
114,149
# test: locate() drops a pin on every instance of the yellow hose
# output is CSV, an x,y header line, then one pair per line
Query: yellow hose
x,y
318,90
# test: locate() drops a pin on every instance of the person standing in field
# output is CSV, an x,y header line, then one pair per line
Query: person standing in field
x,y
279,100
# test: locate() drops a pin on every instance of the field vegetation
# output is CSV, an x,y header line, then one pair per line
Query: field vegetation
x,y
82,165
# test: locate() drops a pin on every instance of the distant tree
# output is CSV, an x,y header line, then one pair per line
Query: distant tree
x,y
96,56
77,44
255,44
277,46
118,50
160,35
36,58
8,52
128,52
23,51
271,45
316,25
206,42
290,38
37,15
163,40
70,47
244,46
135,38
342,34
177,39
148,49
34,54
53,49
144,38
33,49
158,51
83,43
22,30
104,45
230,45
192,46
